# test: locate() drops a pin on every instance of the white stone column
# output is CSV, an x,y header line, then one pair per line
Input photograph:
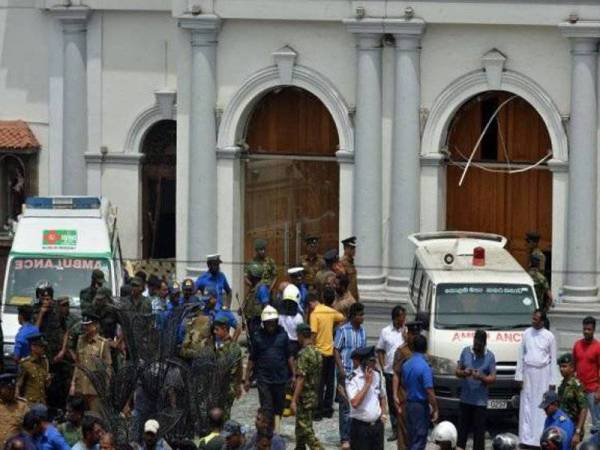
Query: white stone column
x,y
581,285
74,24
406,144
367,203
202,163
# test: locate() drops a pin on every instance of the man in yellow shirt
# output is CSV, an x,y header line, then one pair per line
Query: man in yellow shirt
x,y
323,320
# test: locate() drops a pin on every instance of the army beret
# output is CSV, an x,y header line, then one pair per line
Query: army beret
x,y
260,244
532,236
363,353
137,281
311,239
8,378
103,292
350,242
221,320
331,255
88,318
303,329
565,358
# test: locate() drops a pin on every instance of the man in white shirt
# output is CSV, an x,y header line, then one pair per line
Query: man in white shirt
x,y
537,372
390,338
367,402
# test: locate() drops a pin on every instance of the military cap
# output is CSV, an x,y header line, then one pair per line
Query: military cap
x,y
215,257
37,339
303,329
532,236
295,270
221,320
549,398
231,428
363,353
88,318
188,283
565,358
331,255
260,244
97,275
256,269
311,239
349,242
137,281
103,292
8,378
414,326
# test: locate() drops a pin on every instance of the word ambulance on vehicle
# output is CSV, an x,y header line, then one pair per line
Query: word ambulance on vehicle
x,y
60,240
461,282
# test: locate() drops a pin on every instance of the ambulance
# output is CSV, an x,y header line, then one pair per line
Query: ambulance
x,y
461,282
60,240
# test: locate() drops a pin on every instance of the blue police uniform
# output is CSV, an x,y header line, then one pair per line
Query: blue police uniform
x,y
417,377
207,281
225,313
22,348
562,420
51,439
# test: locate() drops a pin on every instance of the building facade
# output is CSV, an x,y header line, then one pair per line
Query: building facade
x,y
209,123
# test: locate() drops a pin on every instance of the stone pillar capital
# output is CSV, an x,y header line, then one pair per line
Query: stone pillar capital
x,y
368,32
73,18
584,36
407,33
204,28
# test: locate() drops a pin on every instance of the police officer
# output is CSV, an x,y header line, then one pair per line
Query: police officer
x,y
86,296
269,267
312,261
296,277
366,395
12,408
225,347
571,396
348,264
326,276
92,352
305,399
532,239
556,417
34,371
215,279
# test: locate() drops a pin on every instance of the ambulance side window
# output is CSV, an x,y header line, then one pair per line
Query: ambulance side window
x,y
421,291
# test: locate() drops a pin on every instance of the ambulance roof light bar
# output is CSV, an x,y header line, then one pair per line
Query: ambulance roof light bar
x,y
62,202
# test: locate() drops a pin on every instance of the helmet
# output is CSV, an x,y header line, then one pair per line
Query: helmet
x,y
44,288
505,441
292,293
255,269
269,313
552,438
445,432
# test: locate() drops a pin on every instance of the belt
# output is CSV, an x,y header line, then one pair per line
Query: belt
x,y
376,422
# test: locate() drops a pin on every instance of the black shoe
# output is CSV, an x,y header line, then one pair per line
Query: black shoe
x,y
393,437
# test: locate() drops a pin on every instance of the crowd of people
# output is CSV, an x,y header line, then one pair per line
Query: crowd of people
x,y
161,366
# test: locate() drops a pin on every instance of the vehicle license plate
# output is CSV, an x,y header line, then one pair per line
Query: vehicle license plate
x,y
497,404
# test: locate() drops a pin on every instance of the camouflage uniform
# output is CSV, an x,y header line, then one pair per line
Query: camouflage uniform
x,y
232,349
309,366
540,254
350,269
11,418
269,270
312,266
572,397
197,335
33,379
541,286
403,353
141,305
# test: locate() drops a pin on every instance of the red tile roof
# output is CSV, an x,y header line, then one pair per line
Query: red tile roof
x,y
16,135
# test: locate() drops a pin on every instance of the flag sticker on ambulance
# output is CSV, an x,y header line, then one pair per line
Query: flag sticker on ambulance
x,y
59,239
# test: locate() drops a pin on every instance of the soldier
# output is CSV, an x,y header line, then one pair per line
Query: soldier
x,y
136,302
572,397
540,283
312,261
269,267
86,296
93,353
305,399
532,239
197,335
402,354
226,347
34,371
12,408
348,264
257,297
210,310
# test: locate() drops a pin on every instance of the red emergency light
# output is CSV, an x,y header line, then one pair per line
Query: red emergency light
x,y
479,256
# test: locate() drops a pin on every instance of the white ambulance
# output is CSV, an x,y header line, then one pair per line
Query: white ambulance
x,y
461,282
60,240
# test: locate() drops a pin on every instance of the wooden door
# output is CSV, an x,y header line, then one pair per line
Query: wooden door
x,y
291,175
490,199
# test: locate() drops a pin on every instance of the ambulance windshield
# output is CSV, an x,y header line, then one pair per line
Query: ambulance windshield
x,y
490,306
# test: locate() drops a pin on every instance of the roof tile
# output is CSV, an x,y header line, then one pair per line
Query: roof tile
x,y
16,135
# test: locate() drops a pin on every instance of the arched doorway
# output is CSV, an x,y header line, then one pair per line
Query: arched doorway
x,y
291,175
158,190
491,199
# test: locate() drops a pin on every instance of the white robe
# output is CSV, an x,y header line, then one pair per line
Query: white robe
x,y
537,369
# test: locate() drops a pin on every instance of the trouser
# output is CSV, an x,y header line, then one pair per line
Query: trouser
x,y
389,391
326,386
366,436
402,431
594,409
471,418
417,421
345,421
305,434
271,397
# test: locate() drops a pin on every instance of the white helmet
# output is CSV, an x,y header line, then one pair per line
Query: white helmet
x,y
269,313
445,432
291,292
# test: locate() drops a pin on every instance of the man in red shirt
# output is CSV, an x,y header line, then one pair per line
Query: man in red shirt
x,y
586,354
